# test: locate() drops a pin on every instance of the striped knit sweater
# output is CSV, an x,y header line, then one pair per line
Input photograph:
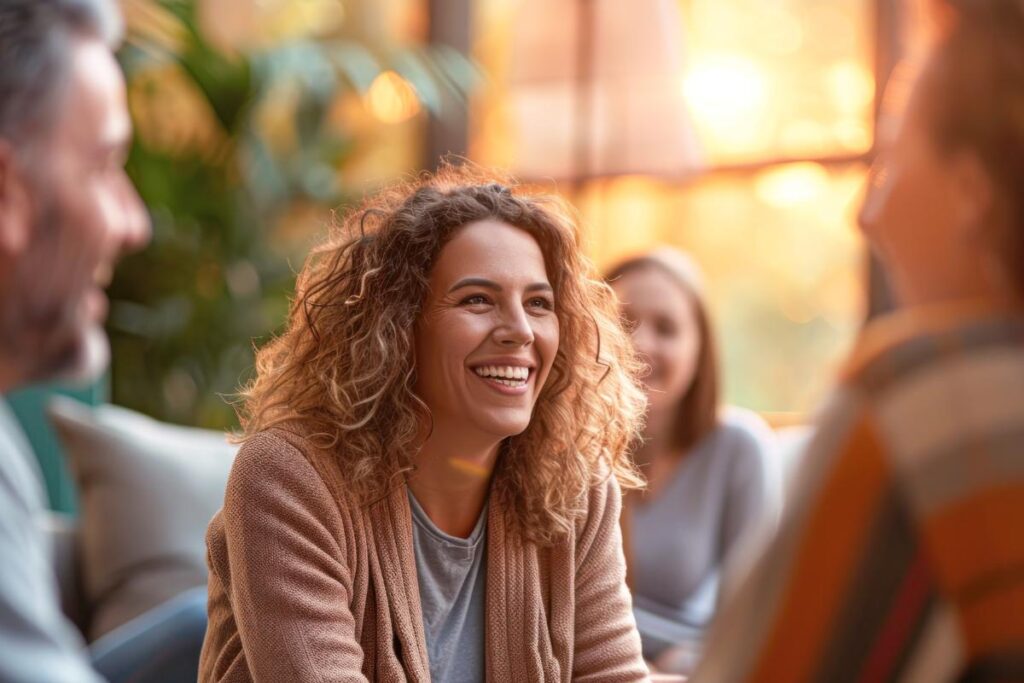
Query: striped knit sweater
x,y
902,556
305,585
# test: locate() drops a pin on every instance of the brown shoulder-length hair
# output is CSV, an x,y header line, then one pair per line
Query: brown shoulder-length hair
x,y
973,95
697,414
344,367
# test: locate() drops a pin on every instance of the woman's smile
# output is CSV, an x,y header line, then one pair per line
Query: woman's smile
x,y
506,379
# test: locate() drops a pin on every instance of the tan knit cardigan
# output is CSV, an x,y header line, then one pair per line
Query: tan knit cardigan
x,y
307,586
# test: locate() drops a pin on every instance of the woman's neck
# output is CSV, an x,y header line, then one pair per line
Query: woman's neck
x,y
657,458
657,437
452,479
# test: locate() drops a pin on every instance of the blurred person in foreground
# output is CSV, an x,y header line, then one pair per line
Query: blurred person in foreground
x,y
67,210
711,483
902,556
428,486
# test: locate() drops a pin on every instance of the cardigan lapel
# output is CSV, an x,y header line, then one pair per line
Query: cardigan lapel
x,y
516,638
391,521
497,653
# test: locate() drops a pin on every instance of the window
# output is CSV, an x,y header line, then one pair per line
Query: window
x,y
780,99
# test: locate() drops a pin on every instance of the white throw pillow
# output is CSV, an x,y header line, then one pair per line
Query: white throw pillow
x,y
146,491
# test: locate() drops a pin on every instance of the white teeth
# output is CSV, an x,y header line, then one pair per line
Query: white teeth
x,y
510,382
506,374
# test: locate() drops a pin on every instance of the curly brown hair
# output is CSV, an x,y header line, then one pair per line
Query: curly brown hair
x,y
344,367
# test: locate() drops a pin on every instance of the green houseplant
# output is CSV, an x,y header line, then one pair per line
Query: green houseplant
x,y
231,145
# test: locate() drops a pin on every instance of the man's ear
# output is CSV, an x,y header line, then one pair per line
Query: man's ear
x,y
15,207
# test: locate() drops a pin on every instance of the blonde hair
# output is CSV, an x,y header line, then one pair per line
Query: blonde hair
x,y
344,367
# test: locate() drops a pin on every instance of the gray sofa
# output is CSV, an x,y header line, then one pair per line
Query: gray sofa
x,y
146,492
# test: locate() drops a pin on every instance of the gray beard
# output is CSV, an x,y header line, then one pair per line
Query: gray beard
x,y
90,360
42,334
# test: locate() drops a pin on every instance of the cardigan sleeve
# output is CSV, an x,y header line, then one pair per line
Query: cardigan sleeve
x,y
607,646
281,562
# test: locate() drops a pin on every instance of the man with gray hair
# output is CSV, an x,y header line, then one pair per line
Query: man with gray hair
x,y
67,210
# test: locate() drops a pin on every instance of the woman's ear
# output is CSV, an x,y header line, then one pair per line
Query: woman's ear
x,y
982,219
976,200
15,207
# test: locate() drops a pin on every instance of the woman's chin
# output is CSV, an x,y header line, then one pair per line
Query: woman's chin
x,y
502,427
657,400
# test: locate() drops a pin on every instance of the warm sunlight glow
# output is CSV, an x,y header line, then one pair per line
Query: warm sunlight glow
x,y
240,25
851,86
725,91
392,99
853,135
792,184
296,18
783,33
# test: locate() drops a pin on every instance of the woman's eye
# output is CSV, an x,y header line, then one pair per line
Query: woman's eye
x,y
475,300
665,328
541,302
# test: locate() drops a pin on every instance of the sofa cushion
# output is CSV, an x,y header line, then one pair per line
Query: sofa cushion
x,y
147,491
62,531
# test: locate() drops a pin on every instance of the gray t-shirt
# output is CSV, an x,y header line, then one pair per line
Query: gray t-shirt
x,y
683,538
452,577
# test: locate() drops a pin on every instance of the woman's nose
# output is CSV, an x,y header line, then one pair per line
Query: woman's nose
x,y
642,339
514,328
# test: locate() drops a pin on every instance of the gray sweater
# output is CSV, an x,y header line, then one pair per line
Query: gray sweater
x,y
36,642
683,539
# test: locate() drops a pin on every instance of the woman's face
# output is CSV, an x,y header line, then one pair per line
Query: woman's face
x,y
488,333
665,332
923,207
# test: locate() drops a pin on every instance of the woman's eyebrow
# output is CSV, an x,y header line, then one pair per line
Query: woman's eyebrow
x,y
492,285
476,282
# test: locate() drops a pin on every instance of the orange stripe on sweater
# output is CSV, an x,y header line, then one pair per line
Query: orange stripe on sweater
x,y
979,536
977,549
995,622
827,555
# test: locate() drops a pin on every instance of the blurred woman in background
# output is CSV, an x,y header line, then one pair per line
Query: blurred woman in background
x,y
710,479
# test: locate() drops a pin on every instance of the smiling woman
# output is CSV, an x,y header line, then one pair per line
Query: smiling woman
x,y
429,482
